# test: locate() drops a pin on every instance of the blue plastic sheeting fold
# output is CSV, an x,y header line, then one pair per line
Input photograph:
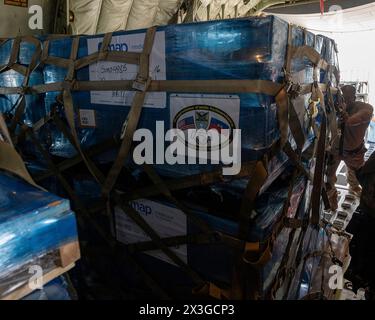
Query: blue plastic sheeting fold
x,y
32,222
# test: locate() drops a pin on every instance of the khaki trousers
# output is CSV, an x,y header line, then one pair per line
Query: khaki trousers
x,y
353,163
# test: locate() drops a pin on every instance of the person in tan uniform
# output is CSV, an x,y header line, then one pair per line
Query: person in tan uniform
x,y
356,117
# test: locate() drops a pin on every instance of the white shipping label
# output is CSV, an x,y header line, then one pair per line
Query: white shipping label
x,y
105,70
166,221
87,118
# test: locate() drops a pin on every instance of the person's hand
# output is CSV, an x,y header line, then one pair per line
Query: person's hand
x,y
344,116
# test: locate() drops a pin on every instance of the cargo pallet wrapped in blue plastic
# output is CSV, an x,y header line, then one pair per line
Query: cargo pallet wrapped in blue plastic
x,y
171,222
33,225
273,81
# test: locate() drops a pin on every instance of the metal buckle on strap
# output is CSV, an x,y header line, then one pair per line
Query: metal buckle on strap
x,y
69,84
26,90
293,89
141,84
294,223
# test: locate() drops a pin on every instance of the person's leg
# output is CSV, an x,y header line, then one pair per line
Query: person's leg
x,y
332,166
353,163
354,185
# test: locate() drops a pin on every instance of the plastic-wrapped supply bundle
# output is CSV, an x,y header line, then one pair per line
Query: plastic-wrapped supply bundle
x,y
312,242
252,48
241,49
214,261
329,54
34,107
302,69
285,248
325,253
33,223
327,277
291,260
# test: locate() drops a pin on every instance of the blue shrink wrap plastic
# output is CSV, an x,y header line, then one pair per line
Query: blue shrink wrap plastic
x,y
330,55
214,261
315,241
32,223
51,184
234,49
250,48
298,211
35,107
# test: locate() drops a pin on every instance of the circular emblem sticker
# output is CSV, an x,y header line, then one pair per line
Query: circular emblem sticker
x,y
203,118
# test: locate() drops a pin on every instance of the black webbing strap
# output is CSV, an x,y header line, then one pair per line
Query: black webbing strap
x,y
141,83
320,152
319,173
296,127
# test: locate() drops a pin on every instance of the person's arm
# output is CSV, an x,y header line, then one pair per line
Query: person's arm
x,y
363,115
